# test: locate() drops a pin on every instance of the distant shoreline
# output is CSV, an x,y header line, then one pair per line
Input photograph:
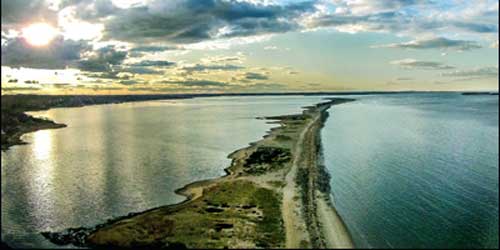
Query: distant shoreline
x,y
15,122
247,208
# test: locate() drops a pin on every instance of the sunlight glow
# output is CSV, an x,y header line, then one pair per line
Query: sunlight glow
x,y
39,34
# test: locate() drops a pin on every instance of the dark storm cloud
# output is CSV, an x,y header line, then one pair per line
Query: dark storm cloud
x,y
16,52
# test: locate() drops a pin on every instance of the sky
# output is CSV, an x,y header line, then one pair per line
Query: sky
x,y
221,46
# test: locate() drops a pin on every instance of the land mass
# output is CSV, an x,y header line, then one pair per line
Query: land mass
x,y
276,194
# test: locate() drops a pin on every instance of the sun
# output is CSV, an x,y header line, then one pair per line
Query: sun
x,y
39,34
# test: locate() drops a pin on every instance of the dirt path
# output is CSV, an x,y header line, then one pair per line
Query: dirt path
x,y
324,222
291,208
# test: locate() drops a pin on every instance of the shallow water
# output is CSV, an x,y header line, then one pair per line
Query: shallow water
x,y
116,159
416,170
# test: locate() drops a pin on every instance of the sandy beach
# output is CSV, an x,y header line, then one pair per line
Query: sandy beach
x,y
273,196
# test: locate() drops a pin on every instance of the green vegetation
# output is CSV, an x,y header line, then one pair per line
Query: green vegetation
x,y
266,159
14,124
303,182
323,180
235,213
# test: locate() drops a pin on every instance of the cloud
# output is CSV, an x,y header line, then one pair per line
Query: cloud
x,y
103,59
410,63
190,21
255,76
16,52
359,7
20,89
262,86
203,67
195,83
154,48
408,17
141,70
482,72
106,75
270,48
239,58
31,82
19,12
139,51
434,43
91,10
129,82
477,27
149,63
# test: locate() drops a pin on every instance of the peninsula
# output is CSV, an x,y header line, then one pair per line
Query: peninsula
x,y
276,194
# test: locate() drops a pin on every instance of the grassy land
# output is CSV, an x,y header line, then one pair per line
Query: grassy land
x,y
230,214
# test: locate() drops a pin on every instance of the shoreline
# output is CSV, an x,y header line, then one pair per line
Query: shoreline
x,y
14,106
251,206
28,125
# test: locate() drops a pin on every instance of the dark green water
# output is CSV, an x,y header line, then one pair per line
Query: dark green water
x,y
416,170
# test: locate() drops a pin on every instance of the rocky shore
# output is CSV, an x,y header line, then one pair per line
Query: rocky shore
x,y
275,195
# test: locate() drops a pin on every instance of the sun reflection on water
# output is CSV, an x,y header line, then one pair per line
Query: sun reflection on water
x,y
42,144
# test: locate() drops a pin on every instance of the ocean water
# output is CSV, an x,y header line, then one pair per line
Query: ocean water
x,y
115,159
416,170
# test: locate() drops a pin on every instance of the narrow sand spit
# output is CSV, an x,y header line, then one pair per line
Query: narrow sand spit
x,y
273,196
292,208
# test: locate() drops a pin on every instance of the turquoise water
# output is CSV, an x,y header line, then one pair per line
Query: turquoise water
x,y
416,170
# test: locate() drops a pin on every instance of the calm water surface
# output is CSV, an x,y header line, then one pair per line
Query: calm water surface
x,y
116,159
416,170
407,170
